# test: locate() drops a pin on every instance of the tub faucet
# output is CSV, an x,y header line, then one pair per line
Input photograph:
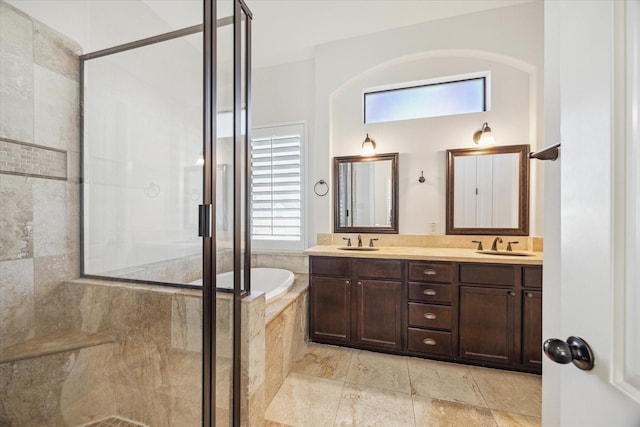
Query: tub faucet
x,y
494,246
359,241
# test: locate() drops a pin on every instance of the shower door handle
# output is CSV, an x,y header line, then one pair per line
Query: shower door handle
x,y
205,228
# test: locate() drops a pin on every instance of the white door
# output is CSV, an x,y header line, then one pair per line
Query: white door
x,y
589,230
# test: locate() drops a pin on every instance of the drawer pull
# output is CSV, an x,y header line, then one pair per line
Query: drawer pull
x,y
430,292
430,272
430,316
429,341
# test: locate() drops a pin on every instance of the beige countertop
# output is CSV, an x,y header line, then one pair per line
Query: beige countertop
x,y
427,254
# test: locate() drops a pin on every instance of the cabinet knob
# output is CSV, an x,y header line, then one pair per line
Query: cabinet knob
x,y
511,293
359,282
347,282
529,295
430,316
430,272
430,292
429,341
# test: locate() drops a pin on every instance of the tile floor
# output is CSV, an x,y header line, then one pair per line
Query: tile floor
x,y
335,386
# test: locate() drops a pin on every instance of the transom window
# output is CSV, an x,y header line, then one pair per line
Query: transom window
x,y
428,98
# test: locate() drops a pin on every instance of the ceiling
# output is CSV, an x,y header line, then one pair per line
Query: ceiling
x,y
283,30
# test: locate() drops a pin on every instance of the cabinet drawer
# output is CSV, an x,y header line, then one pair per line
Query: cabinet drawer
x,y
331,266
425,341
487,274
429,316
532,277
429,272
430,292
378,269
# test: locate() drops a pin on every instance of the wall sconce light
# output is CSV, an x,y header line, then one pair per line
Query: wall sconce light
x,y
368,146
484,136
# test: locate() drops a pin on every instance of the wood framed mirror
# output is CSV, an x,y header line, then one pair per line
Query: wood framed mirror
x,y
488,190
366,194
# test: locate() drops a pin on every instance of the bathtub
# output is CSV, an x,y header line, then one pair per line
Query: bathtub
x,y
272,281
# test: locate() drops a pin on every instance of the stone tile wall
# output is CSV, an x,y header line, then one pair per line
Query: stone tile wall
x,y
154,368
39,216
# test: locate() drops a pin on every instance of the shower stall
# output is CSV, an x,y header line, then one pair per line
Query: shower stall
x,y
142,334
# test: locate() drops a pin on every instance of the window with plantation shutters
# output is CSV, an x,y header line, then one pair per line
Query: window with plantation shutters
x,y
276,187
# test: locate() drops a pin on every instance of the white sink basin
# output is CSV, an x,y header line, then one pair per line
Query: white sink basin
x,y
361,248
505,253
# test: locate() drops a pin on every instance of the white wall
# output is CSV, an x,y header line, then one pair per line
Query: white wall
x,y
422,143
284,94
508,41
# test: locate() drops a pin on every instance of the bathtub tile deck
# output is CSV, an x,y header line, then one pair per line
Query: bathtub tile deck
x,y
366,389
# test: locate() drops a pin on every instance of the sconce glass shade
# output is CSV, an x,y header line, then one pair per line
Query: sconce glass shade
x,y
368,147
484,136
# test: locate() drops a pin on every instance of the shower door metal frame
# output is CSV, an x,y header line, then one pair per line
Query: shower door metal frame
x,y
209,189
239,267
209,196
99,54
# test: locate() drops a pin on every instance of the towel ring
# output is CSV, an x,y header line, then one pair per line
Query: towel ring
x,y
321,182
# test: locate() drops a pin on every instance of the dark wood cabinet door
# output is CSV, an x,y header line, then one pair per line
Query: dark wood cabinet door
x,y
486,324
532,329
379,314
329,309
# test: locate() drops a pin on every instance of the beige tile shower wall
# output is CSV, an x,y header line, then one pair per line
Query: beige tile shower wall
x,y
155,366
39,231
64,389
19,158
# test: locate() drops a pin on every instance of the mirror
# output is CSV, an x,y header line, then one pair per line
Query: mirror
x,y
488,190
366,194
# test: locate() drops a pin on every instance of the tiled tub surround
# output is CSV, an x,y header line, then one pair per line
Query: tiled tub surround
x,y
144,362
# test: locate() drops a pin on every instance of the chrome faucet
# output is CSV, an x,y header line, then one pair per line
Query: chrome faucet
x,y
359,241
494,246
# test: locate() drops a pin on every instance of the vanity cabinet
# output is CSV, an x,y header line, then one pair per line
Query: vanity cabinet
x,y
531,297
429,309
477,313
487,325
358,302
330,300
500,315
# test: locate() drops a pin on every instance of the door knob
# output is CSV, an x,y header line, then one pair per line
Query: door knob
x,y
575,350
